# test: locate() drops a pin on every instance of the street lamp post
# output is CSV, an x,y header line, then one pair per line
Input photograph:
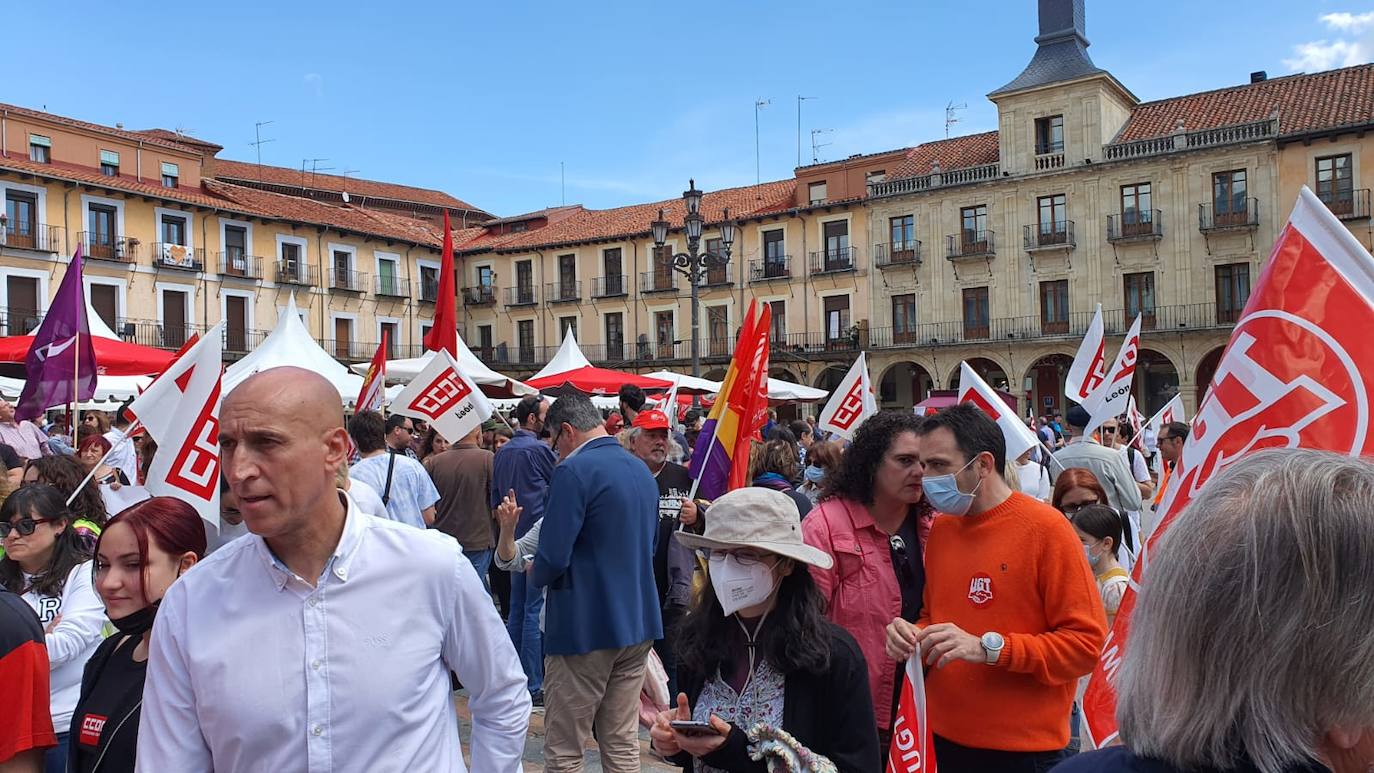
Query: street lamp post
x,y
695,264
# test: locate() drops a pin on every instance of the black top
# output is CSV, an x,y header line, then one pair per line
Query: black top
x,y
9,457
674,483
105,722
824,712
1119,759
905,549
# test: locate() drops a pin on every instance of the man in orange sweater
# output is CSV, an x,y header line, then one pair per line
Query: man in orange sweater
x,y
1012,617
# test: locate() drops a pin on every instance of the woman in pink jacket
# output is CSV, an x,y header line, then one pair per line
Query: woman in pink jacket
x,y
873,521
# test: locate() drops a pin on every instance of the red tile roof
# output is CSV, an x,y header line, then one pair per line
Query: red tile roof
x,y
133,136
124,182
579,225
344,218
232,171
1303,103
196,145
953,153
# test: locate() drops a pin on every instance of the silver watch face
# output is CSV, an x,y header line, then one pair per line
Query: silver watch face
x,y
993,640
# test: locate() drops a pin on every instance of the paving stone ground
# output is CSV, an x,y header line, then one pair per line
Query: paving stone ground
x,y
534,744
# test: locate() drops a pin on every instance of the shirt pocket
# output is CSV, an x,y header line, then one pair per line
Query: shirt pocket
x,y
854,567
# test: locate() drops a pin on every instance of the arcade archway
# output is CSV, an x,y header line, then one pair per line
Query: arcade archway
x,y
1156,382
1046,378
1206,369
904,384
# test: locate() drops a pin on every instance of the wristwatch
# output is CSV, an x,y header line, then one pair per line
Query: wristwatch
x,y
992,646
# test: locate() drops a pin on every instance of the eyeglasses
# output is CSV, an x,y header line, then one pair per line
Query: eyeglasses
x,y
25,527
1073,508
744,559
1108,430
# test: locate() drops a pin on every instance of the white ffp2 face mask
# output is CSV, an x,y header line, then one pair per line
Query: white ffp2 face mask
x,y
739,585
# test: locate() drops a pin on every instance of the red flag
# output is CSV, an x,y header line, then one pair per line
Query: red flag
x,y
444,335
913,742
1296,374
373,393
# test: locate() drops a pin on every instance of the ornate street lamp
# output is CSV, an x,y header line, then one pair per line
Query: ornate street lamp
x,y
695,264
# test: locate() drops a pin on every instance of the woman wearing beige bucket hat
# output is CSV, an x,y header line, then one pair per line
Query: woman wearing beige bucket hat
x,y
756,654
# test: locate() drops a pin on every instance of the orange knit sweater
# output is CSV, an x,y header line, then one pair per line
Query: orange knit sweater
x,y
1017,569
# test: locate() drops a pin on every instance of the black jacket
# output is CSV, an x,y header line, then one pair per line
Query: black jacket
x,y
124,736
1119,759
831,714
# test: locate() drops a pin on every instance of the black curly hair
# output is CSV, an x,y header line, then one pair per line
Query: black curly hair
x,y
853,477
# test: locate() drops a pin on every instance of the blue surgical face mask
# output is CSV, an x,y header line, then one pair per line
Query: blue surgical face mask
x,y
813,474
944,495
1093,560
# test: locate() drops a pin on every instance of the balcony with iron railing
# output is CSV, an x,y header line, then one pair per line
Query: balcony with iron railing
x,y
1136,225
522,295
1049,235
662,280
718,276
297,272
116,249
613,286
1347,204
897,254
429,289
563,292
346,281
238,342
970,244
832,261
391,286
31,236
179,257
162,335
237,264
771,269
349,350
481,295
1240,215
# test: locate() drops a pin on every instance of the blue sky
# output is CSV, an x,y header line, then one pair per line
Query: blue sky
x,y
485,100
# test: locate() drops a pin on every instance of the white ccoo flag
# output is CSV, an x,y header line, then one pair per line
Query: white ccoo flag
x,y
1170,413
1110,399
181,411
851,402
973,389
1089,368
444,397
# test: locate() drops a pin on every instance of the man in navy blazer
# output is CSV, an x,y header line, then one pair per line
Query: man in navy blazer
x,y
601,613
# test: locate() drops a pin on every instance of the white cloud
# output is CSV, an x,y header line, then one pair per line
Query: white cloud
x,y
1353,44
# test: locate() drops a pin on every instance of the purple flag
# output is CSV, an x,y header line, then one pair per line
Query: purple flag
x,y
61,361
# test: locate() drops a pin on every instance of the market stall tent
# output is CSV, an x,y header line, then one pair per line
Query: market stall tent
x,y
492,384
570,369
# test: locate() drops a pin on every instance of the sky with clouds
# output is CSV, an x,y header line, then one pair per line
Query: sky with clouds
x,y
525,104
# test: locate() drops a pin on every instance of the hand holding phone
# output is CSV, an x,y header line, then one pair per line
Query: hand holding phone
x,y
691,727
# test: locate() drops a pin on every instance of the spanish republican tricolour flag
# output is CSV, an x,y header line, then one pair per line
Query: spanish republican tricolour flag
x,y
720,462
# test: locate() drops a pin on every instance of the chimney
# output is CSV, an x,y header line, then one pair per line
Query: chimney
x,y
1259,76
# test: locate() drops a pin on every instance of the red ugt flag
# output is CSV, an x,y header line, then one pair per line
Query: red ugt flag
x,y
1297,373
913,742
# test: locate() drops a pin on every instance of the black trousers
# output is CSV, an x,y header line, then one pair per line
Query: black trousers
x,y
953,758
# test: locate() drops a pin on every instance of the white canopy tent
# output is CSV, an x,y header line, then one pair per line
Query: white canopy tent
x,y
493,384
290,344
778,390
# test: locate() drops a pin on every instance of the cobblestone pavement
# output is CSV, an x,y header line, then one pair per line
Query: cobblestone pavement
x,y
534,744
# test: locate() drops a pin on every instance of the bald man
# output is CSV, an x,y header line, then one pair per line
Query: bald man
x,y
323,639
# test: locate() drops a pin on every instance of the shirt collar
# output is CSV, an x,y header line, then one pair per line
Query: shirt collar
x,y
338,563
1082,439
585,443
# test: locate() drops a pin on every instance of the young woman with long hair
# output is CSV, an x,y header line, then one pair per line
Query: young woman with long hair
x,y
48,565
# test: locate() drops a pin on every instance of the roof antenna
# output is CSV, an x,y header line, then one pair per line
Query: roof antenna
x,y
345,174
950,120
314,169
758,105
257,143
816,146
562,186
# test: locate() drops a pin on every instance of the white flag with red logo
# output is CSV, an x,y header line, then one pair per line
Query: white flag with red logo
x,y
1137,425
1297,373
1110,399
973,389
373,393
1089,368
444,397
851,402
180,409
913,742
1170,413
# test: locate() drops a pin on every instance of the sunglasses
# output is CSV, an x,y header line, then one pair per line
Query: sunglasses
x,y
1108,430
1071,509
25,527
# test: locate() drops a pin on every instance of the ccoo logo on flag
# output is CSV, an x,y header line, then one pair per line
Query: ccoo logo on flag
x,y
851,407
442,395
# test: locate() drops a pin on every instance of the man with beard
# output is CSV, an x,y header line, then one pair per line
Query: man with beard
x,y
673,563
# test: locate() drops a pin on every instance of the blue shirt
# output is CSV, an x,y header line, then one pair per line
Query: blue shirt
x,y
412,490
525,464
596,552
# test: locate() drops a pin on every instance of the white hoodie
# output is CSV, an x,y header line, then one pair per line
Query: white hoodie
x,y
73,641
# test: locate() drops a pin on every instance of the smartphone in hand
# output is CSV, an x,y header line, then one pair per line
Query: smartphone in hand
x,y
692,727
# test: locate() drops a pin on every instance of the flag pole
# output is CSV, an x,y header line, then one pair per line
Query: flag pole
x,y
76,357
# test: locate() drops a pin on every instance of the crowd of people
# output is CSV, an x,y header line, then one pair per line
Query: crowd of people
x,y
559,560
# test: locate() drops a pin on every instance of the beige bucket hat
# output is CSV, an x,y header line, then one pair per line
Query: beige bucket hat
x,y
754,517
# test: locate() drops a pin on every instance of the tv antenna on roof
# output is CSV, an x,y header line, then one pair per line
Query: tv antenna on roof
x,y
346,174
257,143
314,168
816,146
759,104
950,120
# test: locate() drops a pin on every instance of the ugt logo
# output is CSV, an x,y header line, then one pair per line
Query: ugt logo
x,y
980,590
851,407
442,396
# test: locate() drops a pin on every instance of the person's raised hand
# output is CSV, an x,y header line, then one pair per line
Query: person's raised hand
x,y
508,512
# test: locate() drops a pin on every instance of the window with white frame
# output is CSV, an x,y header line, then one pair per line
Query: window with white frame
x,y
40,149
171,175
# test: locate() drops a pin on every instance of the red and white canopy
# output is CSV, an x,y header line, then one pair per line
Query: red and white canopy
x,y
570,369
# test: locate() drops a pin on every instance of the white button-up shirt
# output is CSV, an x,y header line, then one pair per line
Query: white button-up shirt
x,y
253,669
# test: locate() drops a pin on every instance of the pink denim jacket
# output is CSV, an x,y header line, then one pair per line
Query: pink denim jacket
x,y
861,591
